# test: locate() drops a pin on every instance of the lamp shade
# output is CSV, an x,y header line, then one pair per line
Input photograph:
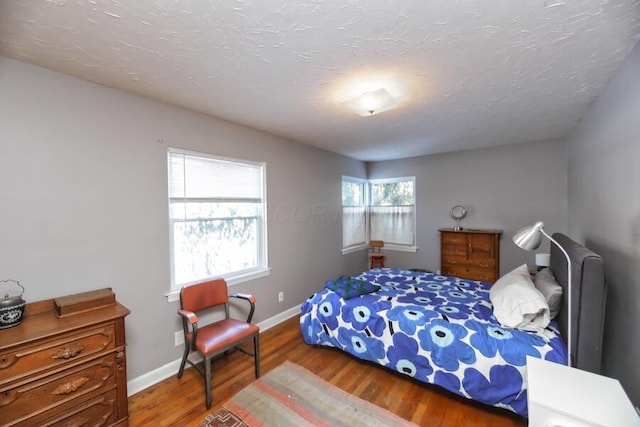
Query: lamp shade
x,y
543,260
529,238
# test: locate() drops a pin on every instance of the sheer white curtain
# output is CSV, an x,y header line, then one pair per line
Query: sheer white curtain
x,y
354,231
392,224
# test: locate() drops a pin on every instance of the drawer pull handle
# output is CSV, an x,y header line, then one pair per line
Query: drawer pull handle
x,y
71,386
120,360
7,397
69,351
7,360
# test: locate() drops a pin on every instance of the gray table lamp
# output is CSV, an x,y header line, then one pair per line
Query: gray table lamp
x,y
529,238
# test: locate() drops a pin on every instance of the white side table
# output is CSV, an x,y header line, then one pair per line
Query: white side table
x,y
560,396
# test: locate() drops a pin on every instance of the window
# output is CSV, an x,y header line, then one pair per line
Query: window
x,y
381,209
217,218
354,209
392,211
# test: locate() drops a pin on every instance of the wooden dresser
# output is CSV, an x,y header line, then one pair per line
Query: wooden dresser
x,y
65,363
470,254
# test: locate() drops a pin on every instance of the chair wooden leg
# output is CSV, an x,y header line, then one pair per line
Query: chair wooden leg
x,y
256,355
207,380
184,359
377,261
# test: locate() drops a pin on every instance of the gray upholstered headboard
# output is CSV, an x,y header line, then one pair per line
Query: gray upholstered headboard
x,y
589,293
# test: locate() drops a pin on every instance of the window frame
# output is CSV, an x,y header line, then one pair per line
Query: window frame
x,y
363,183
367,186
262,268
387,245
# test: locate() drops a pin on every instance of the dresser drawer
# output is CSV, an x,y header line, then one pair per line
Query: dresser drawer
x,y
454,244
481,246
45,355
24,399
481,274
454,249
448,270
468,272
481,263
453,261
460,262
99,411
454,238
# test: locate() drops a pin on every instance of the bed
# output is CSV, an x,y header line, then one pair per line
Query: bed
x,y
442,330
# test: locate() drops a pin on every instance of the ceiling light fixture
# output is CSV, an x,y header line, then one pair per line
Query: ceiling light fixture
x,y
370,103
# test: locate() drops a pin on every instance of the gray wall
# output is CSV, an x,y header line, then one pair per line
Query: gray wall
x,y
501,187
604,211
84,201
83,172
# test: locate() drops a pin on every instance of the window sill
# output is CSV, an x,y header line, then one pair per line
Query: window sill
x,y
400,248
353,249
174,295
386,248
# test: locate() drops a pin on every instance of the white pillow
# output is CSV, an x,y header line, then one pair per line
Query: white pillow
x,y
517,303
545,282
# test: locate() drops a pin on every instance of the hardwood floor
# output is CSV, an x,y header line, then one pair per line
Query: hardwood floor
x,y
181,402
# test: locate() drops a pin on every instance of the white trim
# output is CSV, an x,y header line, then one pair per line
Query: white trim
x,y
364,188
387,248
144,381
174,295
261,220
353,249
399,248
393,180
279,318
354,179
136,385
245,277
214,156
388,245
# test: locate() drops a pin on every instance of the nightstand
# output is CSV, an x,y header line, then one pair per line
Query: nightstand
x,y
560,396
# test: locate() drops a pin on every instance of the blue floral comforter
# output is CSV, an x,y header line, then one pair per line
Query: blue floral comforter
x,y
436,329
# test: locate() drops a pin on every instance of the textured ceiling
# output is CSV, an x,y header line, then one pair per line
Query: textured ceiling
x,y
466,74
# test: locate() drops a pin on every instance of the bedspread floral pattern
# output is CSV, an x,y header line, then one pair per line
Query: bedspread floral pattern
x,y
436,329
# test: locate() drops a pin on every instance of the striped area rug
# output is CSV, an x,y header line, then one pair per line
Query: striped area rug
x,y
290,395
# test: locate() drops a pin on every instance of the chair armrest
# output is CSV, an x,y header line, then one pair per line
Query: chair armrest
x,y
251,299
247,297
189,316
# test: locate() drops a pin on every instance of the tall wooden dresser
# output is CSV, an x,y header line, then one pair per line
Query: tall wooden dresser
x,y
65,363
470,253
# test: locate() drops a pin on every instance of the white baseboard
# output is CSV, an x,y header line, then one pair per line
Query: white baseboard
x,y
279,318
136,385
